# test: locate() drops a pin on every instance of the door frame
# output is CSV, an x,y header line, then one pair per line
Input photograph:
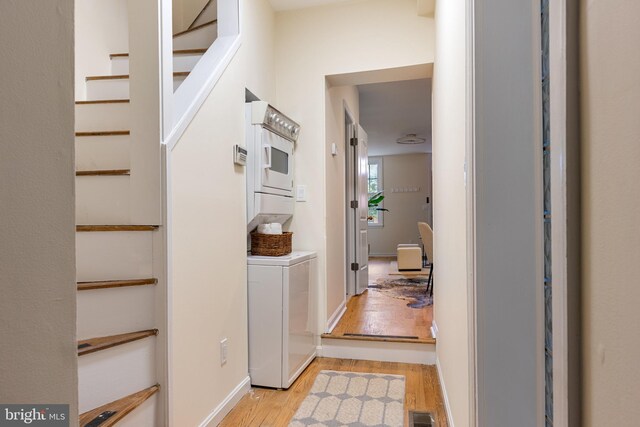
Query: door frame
x,y
564,103
349,132
565,190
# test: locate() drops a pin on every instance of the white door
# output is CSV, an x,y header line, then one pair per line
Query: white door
x,y
362,212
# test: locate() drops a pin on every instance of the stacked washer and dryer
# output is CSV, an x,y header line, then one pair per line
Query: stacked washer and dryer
x,y
282,290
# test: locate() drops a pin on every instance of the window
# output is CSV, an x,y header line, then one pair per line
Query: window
x,y
374,187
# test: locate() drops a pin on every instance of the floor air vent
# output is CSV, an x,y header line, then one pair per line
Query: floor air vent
x,y
421,419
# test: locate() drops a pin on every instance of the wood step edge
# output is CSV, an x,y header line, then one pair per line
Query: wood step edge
x,y
106,284
104,172
181,33
175,52
122,407
104,101
126,76
90,228
104,133
93,345
379,339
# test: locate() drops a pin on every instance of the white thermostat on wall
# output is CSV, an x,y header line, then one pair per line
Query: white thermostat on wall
x,y
239,155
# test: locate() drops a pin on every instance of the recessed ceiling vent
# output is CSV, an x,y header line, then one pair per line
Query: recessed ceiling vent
x,y
411,138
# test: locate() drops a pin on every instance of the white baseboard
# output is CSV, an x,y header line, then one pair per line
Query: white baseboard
x,y
420,353
336,316
227,404
445,396
434,329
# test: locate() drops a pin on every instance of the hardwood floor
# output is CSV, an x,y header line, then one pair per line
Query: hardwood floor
x,y
274,408
374,313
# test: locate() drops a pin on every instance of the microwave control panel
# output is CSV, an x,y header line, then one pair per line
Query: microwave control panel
x,y
267,116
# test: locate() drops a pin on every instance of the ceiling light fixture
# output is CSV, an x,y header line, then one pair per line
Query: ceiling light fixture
x,y
411,138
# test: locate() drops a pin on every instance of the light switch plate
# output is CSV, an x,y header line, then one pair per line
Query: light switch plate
x,y
301,193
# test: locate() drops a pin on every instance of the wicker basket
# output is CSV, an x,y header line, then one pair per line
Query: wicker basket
x,y
271,244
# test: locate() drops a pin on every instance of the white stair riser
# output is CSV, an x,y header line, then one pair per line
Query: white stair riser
x,y
120,65
177,81
116,88
103,200
209,14
201,38
107,89
104,312
181,62
103,152
144,415
103,117
116,372
402,352
114,255
185,62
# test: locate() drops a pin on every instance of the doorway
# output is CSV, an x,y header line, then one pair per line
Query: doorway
x,y
386,141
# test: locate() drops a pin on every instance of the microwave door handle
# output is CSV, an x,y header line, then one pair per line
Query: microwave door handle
x,y
267,152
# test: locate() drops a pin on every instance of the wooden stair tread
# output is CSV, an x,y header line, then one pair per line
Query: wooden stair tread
x,y
103,101
126,76
92,345
105,133
379,339
106,284
195,28
175,52
87,228
121,407
104,172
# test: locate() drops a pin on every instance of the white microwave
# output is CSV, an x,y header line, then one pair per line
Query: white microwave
x,y
270,138
272,162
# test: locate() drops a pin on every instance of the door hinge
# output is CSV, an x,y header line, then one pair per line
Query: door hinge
x,y
355,266
354,204
353,142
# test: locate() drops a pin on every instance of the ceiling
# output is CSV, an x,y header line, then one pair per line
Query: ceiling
x,y
425,7
389,111
300,4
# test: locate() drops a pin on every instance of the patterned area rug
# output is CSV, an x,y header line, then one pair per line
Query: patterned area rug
x,y
413,290
352,399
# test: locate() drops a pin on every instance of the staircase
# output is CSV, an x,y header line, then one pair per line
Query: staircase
x,y
120,299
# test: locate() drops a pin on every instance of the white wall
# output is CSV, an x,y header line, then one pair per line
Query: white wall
x,y
208,228
101,28
450,206
610,209
337,99
185,12
315,42
38,354
405,209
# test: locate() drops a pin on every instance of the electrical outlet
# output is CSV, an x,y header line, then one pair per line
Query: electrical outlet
x,y
223,351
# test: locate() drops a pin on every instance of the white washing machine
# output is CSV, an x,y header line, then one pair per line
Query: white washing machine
x,y
282,317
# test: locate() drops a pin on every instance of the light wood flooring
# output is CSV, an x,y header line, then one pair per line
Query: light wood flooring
x,y
374,313
274,408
